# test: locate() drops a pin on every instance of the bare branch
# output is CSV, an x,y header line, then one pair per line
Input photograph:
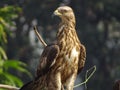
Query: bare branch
x,y
8,87
87,77
39,36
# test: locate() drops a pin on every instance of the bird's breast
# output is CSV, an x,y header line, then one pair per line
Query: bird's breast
x,y
73,55
70,65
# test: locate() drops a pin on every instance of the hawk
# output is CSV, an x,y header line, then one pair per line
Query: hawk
x,y
62,60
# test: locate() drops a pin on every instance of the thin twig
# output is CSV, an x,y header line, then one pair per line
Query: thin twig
x,y
87,77
8,87
39,36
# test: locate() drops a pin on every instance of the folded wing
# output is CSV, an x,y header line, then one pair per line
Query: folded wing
x,y
82,58
47,59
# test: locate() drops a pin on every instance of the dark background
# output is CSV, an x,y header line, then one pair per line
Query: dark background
x,y
98,27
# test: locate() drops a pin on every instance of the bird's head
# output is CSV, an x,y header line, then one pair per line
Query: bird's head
x,y
65,13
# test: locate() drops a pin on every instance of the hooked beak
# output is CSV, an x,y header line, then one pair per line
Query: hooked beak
x,y
56,13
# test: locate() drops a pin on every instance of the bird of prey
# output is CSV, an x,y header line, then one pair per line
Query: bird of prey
x,y
62,60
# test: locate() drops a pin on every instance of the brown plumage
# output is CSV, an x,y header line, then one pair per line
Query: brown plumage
x,y
61,61
116,85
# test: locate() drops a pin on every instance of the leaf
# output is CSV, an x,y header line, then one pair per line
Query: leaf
x,y
13,80
3,36
18,65
10,11
2,21
2,53
1,65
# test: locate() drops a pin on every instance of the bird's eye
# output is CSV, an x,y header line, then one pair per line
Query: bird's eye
x,y
64,10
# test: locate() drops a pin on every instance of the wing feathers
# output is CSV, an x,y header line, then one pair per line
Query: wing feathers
x,y
47,59
82,58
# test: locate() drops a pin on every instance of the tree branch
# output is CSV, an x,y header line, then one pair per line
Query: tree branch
x,y
39,36
8,87
87,77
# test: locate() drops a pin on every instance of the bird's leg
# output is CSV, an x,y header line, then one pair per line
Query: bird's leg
x,y
59,83
55,83
70,82
62,87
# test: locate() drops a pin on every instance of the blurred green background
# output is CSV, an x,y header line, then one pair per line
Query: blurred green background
x,y
98,27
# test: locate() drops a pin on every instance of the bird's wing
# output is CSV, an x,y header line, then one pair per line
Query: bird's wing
x,y
27,86
82,58
47,59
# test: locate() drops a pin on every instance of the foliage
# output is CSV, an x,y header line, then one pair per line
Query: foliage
x,y
7,16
